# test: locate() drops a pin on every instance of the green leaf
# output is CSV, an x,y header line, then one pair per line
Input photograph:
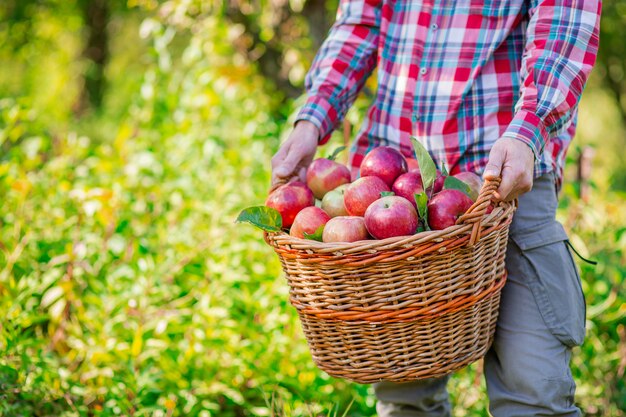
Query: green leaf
x,y
8,374
428,170
452,183
386,193
315,236
422,208
336,152
265,218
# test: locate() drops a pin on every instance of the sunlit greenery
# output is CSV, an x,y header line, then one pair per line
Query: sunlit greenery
x,y
125,286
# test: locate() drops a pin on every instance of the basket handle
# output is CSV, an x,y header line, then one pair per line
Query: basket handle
x,y
478,210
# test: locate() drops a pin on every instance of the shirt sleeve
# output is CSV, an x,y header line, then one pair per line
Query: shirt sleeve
x,y
561,47
342,65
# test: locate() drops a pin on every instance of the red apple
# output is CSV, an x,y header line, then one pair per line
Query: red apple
x,y
385,163
289,199
345,229
361,193
474,181
437,186
412,164
439,181
391,216
407,185
325,175
332,203
445,207
308,220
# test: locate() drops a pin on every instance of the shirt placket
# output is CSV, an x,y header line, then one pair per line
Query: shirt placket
x,y
420,105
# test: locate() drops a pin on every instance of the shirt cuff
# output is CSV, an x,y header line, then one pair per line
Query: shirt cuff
x,y
527,127
322,114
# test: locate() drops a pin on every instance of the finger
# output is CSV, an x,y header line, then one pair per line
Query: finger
x,y
494,165
302,174
276,180
281,154
277,161
287,168
523,184
508,184
275,185
493,170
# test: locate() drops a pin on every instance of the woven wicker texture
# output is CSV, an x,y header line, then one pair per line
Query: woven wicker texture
x,y
402,308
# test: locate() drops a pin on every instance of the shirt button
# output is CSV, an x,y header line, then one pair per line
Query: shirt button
x,y
434,26
423,71
416,116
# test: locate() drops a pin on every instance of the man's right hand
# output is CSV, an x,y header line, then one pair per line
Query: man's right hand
x,y
296,154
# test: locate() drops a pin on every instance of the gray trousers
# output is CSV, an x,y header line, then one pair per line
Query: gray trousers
x,y
542,316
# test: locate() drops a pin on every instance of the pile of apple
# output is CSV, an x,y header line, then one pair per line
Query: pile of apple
x,y
382,203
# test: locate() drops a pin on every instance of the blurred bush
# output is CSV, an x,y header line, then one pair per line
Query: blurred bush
x,y
131,134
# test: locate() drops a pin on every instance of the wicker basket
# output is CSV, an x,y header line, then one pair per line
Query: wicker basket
x,y
403,308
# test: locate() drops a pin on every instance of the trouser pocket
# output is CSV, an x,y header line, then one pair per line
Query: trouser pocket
x,y
540,258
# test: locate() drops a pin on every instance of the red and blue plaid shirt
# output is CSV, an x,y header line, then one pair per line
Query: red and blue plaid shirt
x,y
458,74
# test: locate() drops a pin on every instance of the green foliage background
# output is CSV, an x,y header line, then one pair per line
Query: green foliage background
x,y
125,287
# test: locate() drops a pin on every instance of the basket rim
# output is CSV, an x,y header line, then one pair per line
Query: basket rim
x,y
502,213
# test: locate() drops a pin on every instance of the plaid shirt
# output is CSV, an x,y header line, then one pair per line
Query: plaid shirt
x,y
458,74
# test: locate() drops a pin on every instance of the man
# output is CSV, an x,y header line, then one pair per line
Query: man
x,y
490,87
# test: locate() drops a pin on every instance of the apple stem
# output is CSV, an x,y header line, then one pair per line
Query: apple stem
x,y
336,152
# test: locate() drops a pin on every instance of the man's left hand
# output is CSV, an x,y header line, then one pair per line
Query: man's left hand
x,y
514,161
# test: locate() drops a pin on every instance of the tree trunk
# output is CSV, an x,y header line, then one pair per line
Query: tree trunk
x,y
270,58
96,52
318,19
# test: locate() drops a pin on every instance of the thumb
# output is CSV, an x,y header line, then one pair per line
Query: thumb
x,y
494,165
288,165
